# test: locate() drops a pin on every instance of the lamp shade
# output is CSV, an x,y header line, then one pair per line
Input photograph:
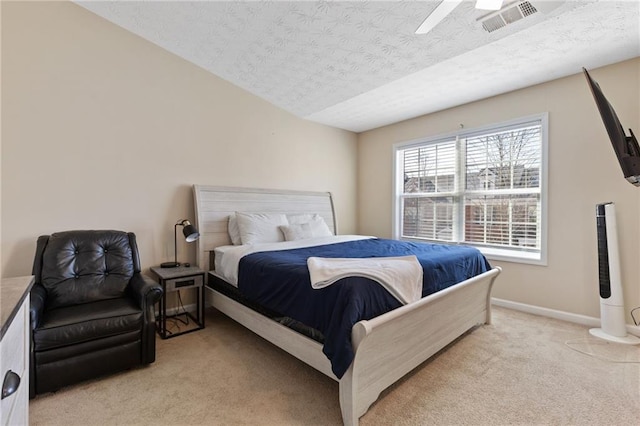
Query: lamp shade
x,y
190,233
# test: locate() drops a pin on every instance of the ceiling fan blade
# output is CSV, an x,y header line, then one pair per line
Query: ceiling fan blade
x,y
438,14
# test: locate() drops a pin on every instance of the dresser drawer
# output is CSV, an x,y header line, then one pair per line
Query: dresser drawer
x,y
13,352
19,415
184,282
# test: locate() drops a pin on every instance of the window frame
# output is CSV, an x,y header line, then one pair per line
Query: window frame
x,y
492,253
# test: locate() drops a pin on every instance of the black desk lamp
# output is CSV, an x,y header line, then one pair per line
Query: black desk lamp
x,y
190,234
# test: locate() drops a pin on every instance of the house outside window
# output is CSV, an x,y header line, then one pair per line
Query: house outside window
x,y
483,187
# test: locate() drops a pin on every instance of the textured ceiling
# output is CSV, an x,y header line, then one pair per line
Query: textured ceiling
x,y
358,65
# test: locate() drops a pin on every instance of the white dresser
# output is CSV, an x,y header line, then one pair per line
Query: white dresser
x,y
14,350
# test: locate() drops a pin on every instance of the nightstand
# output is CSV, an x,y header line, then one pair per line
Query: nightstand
x,y
176,280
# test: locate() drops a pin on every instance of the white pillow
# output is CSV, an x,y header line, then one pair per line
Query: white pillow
x,y
294,232
260,227
234,232
297,219
319,227
316,227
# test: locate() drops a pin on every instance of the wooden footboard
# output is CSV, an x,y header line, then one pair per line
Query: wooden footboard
x,y
389,346
386,347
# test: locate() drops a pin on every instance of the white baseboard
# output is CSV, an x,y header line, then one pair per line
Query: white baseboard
x,y
561,315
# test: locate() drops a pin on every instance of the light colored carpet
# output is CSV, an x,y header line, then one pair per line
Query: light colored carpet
x,y
517,371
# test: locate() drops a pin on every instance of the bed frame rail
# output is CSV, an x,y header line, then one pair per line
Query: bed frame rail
x,y
302,347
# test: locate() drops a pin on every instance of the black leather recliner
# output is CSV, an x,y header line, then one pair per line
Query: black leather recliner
x,y
92,311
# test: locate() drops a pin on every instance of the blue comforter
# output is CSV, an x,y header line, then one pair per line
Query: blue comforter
x,y
279,280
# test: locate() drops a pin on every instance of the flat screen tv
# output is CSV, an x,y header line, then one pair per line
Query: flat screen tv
x,y
625,147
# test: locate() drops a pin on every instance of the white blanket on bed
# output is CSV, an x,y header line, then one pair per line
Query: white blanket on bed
x,y
401,276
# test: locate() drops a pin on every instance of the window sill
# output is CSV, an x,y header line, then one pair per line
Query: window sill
x,y
492,253
511,256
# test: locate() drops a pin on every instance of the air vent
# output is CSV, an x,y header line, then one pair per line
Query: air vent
x,y
507,15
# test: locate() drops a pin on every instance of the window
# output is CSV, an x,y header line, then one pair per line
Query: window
x,y
482,187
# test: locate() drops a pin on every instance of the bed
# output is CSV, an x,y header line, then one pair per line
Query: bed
x,y
385,347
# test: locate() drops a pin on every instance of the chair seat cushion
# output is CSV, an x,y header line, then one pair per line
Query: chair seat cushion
x,y
86,322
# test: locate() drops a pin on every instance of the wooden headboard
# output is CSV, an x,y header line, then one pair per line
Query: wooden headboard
x,y
214,204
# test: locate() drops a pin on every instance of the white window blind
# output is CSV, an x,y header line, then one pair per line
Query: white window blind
x,y
482,188
429,172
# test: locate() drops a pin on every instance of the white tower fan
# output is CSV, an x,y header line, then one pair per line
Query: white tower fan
x,y
613,326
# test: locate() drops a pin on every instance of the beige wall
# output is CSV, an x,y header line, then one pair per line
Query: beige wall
x,y
583,171
101,129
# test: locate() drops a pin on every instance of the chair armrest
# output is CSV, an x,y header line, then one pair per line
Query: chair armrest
x,y
145,290
36,307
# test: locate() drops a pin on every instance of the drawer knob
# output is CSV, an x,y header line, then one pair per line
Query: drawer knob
x,y
10,384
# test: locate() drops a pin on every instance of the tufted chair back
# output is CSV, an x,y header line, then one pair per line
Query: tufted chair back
x,y
78,267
